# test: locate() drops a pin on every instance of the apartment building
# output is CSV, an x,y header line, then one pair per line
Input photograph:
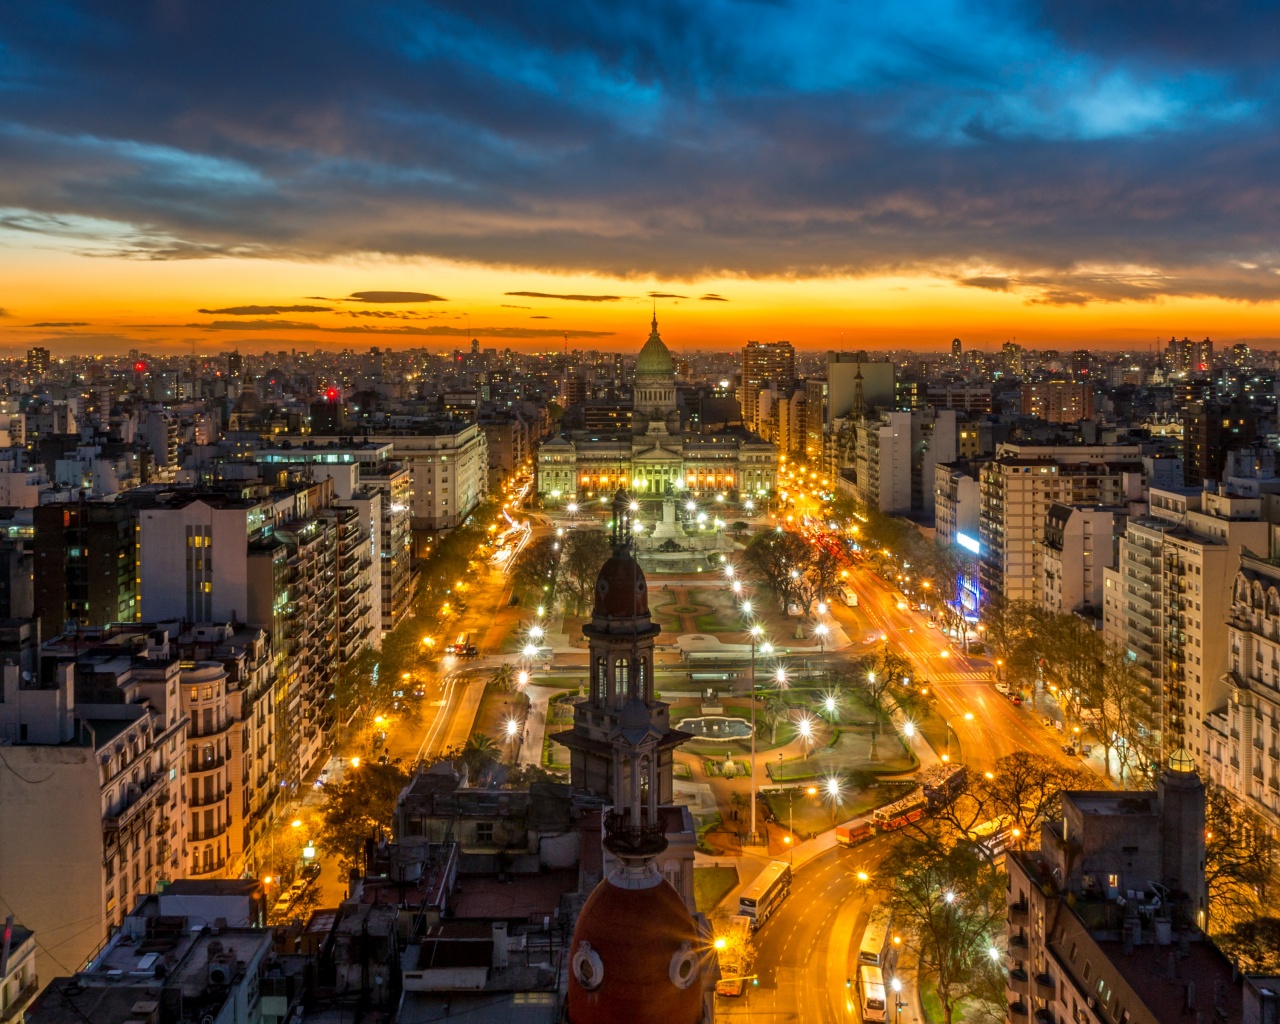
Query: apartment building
x,y
1017,487
86,558
1057,401
380,475
764,364
19,979
1243,732
815,418
956,503
896,454
448,464
1079,542
1171,592
91,798
1106,919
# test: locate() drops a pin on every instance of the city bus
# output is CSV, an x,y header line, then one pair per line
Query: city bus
x,y
875,940
761,898
901,812
871,993
853,832
942,783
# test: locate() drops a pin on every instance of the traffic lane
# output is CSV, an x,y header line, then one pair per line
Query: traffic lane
x,y
800,977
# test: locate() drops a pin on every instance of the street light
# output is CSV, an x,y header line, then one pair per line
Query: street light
x,y
968,717
756,632
805,727
896,985
821,631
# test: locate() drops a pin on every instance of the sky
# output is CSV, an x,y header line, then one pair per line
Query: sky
x,y
836,173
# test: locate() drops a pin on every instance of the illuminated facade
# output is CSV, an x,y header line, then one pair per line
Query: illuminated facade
x,y
660,461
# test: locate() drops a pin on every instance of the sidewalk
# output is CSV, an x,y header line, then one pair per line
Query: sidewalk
x,y
535,723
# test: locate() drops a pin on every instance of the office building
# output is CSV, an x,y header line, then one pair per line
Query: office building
x,y
1210,431
86,559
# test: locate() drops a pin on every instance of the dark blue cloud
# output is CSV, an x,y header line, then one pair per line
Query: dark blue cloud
x,y
1111,151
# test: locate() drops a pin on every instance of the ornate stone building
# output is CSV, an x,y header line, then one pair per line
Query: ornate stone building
x,y
660,459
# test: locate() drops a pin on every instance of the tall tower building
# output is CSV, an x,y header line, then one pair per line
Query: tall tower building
x,y
764,364
957,350
622,743
638,952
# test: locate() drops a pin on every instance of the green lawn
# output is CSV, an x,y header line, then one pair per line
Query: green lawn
x,y
554,755
814,815
711,885
851,752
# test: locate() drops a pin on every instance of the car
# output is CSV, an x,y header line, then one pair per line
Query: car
x,y
730,987
1016,699
932,624
1069,750
1005,688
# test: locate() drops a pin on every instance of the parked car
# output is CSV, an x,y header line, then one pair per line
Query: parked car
x,y
1003,687
1069,750
1016,698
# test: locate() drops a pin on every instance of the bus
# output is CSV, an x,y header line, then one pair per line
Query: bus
x,y
853,832
875,940
901,812
761,897
942,783
871,993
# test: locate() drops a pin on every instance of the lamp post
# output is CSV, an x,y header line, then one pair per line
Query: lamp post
x,y
756,632
896,985
968,717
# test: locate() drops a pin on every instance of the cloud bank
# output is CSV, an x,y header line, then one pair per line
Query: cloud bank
x,y
1075,150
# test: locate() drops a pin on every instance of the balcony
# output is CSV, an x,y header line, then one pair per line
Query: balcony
x,y
203,835
1045,988
1018,946
1019,983
1018,1010
198,766
207,801
1018,915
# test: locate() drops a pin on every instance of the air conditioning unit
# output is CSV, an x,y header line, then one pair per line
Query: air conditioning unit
x,y
221,971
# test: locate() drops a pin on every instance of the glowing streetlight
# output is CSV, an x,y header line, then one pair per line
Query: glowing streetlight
x,y
949,896
530,650
720,942
728,571
822,607
746,610
691,506
535,632
541,611
522,678
994,954
297,822
572,507
821,631
737,587
766,648
908,729
780,676
355,762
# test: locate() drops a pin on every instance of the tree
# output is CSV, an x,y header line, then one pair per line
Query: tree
x,y
951,906
585,551
503,678
1023,791
479,754
776,711
1126,722
880,680
780,561
359,807
1254,945
1239,858
535,569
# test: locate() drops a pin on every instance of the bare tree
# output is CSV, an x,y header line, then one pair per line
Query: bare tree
x,y
1239,859
535,569
585,551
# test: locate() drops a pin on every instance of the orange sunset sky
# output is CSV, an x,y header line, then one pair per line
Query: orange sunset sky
x,y
104,303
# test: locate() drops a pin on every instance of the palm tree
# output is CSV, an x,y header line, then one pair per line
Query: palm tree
x,y
479,753
503,679
776,711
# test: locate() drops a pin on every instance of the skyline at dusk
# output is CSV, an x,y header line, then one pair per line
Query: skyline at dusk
x,y
1062,175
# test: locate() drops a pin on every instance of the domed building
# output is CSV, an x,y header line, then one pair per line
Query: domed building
x,y
657,459
638,953
654,394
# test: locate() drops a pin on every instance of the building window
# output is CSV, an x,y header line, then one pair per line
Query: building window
x,y
484,832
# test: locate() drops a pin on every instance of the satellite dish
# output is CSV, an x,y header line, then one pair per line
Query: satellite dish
x,y
26,676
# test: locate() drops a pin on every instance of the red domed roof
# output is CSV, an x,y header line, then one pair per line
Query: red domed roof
x,y
636,957
621,591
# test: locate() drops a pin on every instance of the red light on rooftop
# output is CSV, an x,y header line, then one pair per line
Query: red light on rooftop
x,y
139,367
331,394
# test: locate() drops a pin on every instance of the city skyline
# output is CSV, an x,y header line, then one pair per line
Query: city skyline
x,y
850,179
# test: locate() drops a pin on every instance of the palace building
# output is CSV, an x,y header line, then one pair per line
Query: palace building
x,y
657,458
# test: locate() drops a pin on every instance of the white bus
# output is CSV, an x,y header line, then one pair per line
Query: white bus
x,y
875,940
871,993
761,897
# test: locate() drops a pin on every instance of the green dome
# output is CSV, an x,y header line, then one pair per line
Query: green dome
x,y
654,360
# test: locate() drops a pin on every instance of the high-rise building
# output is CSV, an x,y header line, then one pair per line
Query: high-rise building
x,y
1168,596
1187,356
38,361
86,560
815,418
957,349
765,364
1209,432
1017,488
1057,401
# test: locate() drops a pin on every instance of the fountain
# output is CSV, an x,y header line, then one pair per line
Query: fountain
x,y
717,728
